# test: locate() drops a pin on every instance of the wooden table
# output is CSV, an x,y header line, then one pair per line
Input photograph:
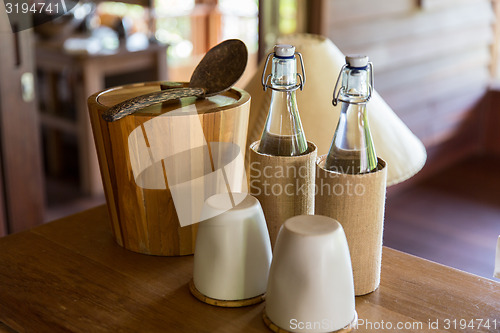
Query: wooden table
x,y
70,276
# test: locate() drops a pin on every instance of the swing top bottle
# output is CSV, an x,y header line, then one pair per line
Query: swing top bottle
x,y
283,134
352,150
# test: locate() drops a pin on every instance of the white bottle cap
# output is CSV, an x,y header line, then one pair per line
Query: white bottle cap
x,y
284,50
356,60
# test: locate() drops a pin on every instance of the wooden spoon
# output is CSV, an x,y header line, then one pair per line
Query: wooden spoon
x,y
218,71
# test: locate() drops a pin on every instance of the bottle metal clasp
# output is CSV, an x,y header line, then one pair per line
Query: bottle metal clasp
x,y
302,77
336,93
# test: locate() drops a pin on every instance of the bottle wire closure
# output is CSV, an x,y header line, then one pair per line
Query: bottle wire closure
x,y
336,93
302,77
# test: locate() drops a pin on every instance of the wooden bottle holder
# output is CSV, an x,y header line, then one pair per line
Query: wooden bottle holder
x,y
358,203
284,185
144,219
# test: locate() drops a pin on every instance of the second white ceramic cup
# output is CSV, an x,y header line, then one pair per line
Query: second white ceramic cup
x,y
310,287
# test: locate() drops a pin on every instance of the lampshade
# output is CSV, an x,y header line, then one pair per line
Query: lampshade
x,y
394,142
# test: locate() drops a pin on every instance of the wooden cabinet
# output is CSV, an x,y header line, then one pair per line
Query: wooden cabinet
x,y
21,181
67,80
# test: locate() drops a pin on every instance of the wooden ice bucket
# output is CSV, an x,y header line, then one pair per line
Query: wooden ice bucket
x,y
144,218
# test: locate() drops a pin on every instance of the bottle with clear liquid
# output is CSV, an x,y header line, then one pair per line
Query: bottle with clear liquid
x,y
352,150
283,134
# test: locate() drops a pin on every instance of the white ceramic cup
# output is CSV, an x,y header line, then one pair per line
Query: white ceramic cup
x,y
233,251
310,287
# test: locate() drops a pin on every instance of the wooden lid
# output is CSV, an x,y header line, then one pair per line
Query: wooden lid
x,y
229,99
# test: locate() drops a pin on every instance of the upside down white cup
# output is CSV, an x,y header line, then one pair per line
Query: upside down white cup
x,y
233,252
310,287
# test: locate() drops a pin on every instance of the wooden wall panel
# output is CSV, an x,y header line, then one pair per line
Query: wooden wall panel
x,y
421,73
437,4
491,122
353,11
431,121
21,164
431,57
405,100
3,218
413,23
403,52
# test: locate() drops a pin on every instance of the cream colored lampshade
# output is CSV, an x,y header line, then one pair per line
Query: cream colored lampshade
x,y
394,142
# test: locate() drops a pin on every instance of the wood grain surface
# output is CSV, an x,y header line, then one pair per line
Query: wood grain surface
x,y
71,276
133,154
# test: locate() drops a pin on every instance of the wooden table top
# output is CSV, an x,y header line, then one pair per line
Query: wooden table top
x,y
70,276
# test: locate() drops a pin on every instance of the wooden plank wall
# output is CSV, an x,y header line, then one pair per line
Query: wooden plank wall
x,y
431,57
21,163
491,133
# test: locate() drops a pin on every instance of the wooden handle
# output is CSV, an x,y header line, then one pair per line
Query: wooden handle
x,y
134,104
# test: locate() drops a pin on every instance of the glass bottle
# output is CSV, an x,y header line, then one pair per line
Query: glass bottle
x,y
283,134
352,149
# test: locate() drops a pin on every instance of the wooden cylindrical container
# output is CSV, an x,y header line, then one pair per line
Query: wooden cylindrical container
x,y
284,185
137,152
357,202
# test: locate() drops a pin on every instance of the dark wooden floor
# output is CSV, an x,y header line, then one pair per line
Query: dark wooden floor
x,y
452,218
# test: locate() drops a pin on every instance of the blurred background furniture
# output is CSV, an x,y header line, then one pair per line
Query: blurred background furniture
x,y
66,81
